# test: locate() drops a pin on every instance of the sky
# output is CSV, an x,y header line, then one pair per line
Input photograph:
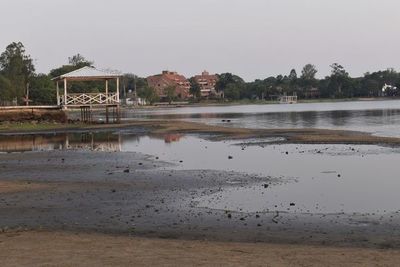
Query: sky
x,y
251,38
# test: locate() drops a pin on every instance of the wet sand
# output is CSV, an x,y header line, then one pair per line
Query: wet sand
x,y
38,248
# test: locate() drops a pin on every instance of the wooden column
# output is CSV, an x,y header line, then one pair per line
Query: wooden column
x,y
58,94
118,90
65,93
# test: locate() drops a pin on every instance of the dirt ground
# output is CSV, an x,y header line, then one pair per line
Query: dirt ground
x,y
13,187
71,249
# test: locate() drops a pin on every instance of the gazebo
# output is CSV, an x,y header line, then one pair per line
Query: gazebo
x,y
87,101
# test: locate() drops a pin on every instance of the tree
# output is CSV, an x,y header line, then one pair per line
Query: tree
x,y
18,68
43,91
79,61
339,80
170,91
308,73
232,81
293,75
307,78
195,89
6,90
148,93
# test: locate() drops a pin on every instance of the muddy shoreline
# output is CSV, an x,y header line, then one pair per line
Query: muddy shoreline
x,y
160,127
137,195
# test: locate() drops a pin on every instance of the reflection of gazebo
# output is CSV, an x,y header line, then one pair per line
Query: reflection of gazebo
x,y
86,101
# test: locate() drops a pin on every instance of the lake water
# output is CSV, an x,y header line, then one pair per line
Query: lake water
x,y
299,178
376,117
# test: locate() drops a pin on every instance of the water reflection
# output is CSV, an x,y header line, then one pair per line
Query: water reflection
x,y
377,117
93,141
317,178
61,141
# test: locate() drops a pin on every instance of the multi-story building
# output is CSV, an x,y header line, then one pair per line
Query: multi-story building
x,y
168,79
207,83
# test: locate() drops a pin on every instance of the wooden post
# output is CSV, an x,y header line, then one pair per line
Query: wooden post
x,y
106,91
118,90
65,93
107,115
58,94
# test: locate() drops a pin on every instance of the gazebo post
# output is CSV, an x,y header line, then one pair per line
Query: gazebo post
x,y
58,94
65,93
106,91
118,90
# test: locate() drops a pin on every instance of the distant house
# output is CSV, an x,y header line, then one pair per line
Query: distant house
x,y
389,90
167,79
312,93
207,83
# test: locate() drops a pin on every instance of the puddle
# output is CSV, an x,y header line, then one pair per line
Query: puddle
x,y
306,178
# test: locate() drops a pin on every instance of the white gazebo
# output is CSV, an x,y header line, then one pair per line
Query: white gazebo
x,y
87,101
93,99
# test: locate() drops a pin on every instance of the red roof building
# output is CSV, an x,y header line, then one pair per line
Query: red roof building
x,y
167,79
207,83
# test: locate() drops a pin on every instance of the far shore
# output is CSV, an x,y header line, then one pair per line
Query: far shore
x,y
207,103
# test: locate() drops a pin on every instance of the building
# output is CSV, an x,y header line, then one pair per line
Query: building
x,y
168,79
207,83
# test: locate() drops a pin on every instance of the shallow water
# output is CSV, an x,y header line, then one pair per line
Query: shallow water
x,y
377,117
313,178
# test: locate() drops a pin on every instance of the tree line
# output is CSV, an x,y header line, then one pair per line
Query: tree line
x,y
19,82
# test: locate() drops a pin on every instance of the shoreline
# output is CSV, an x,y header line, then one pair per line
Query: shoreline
x,y
292,135
91,192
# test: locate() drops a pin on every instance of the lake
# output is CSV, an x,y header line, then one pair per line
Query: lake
x,y
377,117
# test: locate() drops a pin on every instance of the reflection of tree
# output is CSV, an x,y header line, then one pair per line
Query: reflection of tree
x,y
309,119
340,117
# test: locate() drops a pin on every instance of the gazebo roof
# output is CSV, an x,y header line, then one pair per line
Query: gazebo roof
x,y
88,73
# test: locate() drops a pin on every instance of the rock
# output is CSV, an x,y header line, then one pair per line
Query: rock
x,y
230,157
229,215
265,185
126,170
292,204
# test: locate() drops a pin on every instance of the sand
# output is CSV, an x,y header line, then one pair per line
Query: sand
x,y
41,248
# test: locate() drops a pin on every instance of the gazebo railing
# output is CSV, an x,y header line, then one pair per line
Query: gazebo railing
x,y
89,99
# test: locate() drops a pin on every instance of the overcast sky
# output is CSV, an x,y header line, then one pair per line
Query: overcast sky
x,y
251,38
